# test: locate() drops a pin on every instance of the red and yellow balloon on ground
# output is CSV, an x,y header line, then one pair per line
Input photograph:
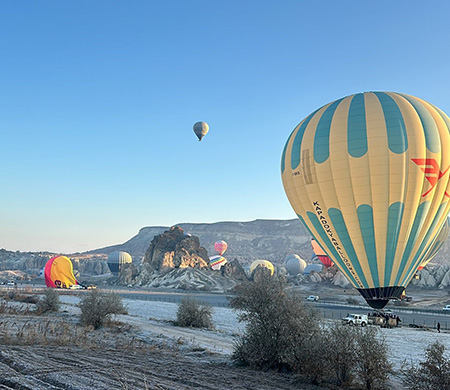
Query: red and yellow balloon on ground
x,y
58,272
368,175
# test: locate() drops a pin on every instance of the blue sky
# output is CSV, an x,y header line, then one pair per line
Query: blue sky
x,y
98,99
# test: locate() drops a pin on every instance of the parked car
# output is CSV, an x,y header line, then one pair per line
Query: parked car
x,y
312,298
355,319
446,308
76,287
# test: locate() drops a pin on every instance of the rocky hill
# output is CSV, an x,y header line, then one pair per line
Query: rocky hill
x,y
247,241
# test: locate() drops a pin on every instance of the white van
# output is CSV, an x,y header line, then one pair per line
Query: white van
x,y
355,319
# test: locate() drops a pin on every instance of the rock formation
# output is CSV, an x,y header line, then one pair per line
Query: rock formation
x,y
234,270
174,249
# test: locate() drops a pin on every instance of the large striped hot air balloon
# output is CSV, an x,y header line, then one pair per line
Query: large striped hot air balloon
x,y
368,175
436,245
58,273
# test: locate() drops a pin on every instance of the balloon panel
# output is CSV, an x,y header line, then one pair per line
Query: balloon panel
x,y
58,273
368,176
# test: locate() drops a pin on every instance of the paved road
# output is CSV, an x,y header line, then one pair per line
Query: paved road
x,y
428,318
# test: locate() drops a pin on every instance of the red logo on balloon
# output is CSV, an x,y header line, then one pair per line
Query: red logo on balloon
x,y
430,167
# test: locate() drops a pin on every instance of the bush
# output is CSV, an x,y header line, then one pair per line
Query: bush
x,y
432,373
97,308
192,314
280,331
372,364
49,302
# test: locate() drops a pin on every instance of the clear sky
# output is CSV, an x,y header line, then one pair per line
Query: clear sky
x,y
98,99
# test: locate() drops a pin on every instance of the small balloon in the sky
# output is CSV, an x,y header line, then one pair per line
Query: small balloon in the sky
x,y
200,129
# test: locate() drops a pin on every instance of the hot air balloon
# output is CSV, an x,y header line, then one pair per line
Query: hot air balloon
x,y
220,247
437,244
312,268
321,255
216,262
262,263
200,129
58,273
368,175
294,264
116,260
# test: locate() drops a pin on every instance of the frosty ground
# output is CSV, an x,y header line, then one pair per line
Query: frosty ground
x,y
145,351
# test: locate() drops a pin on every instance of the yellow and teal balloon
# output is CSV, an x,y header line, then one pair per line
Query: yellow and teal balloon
x,y
436,245
368,175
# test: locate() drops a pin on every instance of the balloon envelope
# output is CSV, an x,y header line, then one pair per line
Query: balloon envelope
x,y
58,272
436,245
220,247
321,255
312,268
262,263
200,129
216,262
294,264
368,175
117,259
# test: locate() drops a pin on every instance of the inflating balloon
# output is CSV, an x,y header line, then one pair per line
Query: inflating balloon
x,y
436,245
216,262
294,264
262,263
368,175
200,129
58,273
116,260
321,255
220,247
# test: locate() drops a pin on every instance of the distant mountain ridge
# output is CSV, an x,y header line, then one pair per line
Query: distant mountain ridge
x,y
247,241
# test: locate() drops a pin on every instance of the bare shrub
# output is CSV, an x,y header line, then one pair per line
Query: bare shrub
x,y
49,302
97,308
430,374
191,313
279,328
372,364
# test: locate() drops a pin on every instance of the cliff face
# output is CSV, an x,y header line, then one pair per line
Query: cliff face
x,y
174,249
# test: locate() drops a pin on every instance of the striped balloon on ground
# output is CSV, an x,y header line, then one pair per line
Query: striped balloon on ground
x,y
368,175
436,245
216,262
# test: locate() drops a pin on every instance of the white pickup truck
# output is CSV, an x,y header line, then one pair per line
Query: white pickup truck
x,y
355,319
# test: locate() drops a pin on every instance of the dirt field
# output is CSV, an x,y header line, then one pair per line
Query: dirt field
x,y
62,367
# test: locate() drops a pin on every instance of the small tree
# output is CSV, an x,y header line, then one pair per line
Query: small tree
x,y
49,302
431,374
279,328
193,314
372,364
97,308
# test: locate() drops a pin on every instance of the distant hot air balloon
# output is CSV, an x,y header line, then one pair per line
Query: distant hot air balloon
x,y
216,262
116,260
200,129
262,263
312,268
368,175
436,245
294,264
321,255
220,247
58,273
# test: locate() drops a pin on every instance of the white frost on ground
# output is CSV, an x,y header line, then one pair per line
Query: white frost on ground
x,y
153,318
